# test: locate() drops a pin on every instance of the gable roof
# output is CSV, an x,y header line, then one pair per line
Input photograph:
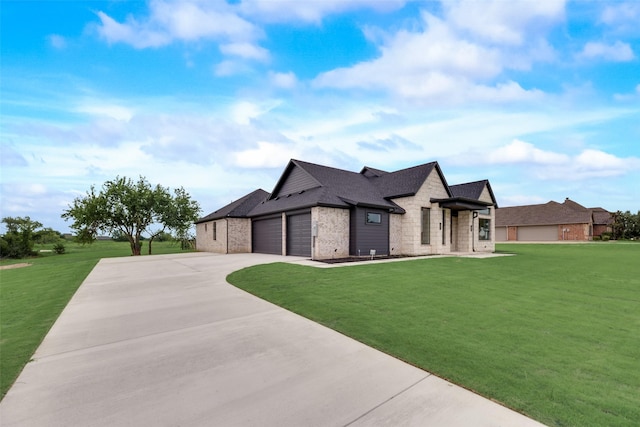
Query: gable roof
x,y
239,208
303,185
406,182
550,213
601,216
473,190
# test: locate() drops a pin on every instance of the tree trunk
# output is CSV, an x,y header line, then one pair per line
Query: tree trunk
x,y
150,240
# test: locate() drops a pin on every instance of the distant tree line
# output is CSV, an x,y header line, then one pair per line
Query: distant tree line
x,y
22,234
626,225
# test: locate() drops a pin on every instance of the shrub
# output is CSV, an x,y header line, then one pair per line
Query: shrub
x,y
59,248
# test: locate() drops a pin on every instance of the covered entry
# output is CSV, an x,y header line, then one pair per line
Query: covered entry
x,y
266,235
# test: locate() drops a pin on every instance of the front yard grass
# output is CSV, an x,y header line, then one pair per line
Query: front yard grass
x,y
553,332
32,298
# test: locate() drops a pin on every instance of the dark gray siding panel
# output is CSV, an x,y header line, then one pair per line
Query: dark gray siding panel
x,y
266,235
297,181
364,237
299,234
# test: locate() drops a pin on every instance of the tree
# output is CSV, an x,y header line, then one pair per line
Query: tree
x,y
130,209
626,225
175,213
19,239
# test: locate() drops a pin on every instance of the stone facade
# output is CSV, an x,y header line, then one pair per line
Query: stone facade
x,y
224,236
332,237
395,234
411,222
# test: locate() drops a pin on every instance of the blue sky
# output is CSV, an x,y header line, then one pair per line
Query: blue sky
x,y
540,97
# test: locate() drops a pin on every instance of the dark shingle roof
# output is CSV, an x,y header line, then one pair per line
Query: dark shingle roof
x,y
338,188
405,182
550,213
239,208
473,190
304,185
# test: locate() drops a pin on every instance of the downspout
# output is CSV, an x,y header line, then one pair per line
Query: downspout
x,y
227,227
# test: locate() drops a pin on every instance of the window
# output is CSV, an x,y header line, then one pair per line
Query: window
x,y
444,227
215,231
374,218
484,229
486,211
426,228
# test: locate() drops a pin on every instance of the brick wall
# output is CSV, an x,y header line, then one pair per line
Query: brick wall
x,y
573,232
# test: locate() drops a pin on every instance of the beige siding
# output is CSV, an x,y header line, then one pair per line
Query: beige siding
x,y
332,240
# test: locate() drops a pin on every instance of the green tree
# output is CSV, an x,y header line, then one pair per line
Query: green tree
x,y
130,208
175,213
626,225
18,241
47,235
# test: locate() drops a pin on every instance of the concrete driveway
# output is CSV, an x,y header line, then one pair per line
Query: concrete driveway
x,y
165,341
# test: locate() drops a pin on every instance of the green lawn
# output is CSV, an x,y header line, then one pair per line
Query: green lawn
x,y
553,332
32,298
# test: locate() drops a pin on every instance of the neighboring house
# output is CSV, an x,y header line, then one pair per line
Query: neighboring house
x,y
551,221
323,212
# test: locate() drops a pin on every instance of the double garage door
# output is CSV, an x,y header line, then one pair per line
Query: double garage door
x,y
267,234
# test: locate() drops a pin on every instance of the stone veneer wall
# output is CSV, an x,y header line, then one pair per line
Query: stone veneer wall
x,y
332,240
411,220
395,234
239,235
204,237
236,230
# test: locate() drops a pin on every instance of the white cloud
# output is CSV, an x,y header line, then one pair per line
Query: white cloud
x,y
283,80
267,155
57,41
436,64
228,68
113,111
132,33
504,22
245,50
244,111
622,16
178,20
616,52
524,152
310,11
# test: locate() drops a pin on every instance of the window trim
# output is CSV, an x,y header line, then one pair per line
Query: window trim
x,y
488,228
425,235
368,221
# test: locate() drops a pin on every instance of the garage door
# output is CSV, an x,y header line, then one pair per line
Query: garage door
x,y
299,234
540,233
266,235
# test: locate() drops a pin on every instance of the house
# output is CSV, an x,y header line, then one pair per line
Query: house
x,y
551,221
322,212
